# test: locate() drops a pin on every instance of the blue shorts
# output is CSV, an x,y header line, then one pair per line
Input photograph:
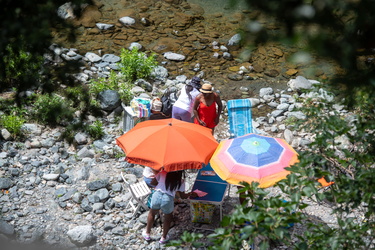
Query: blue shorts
x,y
162,201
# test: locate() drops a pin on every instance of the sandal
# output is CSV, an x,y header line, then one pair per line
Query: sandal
x,y
164,240
146,236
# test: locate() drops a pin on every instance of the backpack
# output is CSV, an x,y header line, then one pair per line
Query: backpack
x,y
168,99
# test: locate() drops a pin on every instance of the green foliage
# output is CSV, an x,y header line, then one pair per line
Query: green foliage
x,y
52,110
20,66
190,240
113,82
135,65
26,33
96,130
13,124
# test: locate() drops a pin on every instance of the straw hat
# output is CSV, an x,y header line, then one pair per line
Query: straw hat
x,y
206,88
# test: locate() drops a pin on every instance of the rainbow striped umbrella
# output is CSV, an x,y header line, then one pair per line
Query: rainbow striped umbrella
x,y
253,158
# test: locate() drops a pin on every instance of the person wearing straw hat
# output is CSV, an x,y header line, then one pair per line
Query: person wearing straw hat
x,y
207,107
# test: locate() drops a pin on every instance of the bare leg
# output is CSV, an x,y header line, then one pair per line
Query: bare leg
x,y
166,224
150,220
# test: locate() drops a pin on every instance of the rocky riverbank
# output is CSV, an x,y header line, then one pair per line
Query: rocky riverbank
x,y
72,196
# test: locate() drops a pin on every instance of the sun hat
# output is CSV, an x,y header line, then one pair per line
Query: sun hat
x,y
206,88
195,82
156,104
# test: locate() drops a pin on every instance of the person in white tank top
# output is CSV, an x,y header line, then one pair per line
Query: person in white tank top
x,y
183,107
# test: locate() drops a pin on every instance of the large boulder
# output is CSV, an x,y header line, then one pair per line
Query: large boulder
x,y
109,100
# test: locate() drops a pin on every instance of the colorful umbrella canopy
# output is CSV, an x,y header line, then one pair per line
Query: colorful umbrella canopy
x,y
169,143
253,158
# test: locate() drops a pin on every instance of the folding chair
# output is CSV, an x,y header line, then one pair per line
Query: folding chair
x,y
140,191
208,181
239,117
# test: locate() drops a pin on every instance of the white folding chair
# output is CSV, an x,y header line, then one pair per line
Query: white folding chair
x,y
140,191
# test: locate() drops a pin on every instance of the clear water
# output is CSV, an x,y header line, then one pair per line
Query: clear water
x,y
227,7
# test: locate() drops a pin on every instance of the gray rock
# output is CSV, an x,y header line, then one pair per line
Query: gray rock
x,y
283,106
136,90
235,77
265,91
96,185
77,197
135,45
109,100
31,128
65,11
6,228
234,40
50,177
110,58
288,135
103,194
85,205
159,73
144,84
116,187
80,138
269,98
92,57
6,135
254,102
109,204
297,114
174,56
127,21
14,171
103,26
108,226
97,206
118,231
299,83
60,192
86,153
227,55
47,143
5,183
82,236
277,113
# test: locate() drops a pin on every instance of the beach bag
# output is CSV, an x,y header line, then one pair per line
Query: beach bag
x,y
201,212
141,107
168,99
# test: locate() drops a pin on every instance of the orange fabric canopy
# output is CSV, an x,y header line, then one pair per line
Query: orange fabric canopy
x,y
168,143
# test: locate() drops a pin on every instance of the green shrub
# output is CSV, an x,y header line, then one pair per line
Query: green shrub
x,y
52,110
96,130
13,124
135,65
20,67
113,82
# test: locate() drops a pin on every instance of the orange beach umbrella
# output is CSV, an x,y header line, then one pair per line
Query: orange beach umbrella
x,y
168,143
